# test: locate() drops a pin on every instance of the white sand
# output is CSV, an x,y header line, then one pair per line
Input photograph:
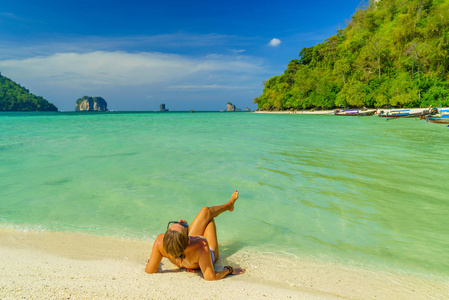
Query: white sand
x,y
331,112
299,112
74,266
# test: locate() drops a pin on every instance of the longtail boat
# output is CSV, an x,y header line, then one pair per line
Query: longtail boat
x,y
356,112
408,113
443,119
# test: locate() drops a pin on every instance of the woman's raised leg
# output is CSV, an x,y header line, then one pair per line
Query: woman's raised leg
x,y
211,236
204,223
201,221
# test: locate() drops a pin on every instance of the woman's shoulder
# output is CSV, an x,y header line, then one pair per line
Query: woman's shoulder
x,y
201,239
159,239
159,243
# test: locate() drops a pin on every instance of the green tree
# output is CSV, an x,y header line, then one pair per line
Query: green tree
x,y
393,52
14,97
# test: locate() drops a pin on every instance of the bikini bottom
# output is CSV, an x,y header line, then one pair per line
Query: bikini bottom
x,y
212,255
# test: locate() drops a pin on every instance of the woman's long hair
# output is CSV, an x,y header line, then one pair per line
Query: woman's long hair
x,y
175,242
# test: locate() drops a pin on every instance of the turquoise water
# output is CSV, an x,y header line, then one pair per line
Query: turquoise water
x,y
358,190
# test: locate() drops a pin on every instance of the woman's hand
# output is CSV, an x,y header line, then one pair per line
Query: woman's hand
x,y
238,271
235,271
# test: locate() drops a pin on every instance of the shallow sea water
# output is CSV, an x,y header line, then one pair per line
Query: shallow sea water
x,y
356,190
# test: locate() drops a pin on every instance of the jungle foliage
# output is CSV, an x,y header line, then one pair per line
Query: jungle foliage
x,y
391,53
14,97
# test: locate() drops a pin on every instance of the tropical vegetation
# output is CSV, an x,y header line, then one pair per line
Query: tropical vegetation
x,y
391,53
14,97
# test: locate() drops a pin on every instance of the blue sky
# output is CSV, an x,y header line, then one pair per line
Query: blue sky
x,y
138,54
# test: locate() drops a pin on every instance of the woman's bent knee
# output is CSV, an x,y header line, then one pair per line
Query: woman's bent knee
x,y
206,212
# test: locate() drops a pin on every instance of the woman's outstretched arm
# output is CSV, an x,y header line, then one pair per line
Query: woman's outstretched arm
x,y
207,268
156,256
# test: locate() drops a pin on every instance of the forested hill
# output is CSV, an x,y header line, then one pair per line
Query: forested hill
x,y
392,53
14,97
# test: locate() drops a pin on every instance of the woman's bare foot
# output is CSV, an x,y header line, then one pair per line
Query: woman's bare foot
x,y
234,198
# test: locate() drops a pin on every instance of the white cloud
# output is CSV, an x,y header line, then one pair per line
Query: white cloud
x,y
11,16
121,68
237,51
63,77
136,72
86,44
274,42
16,17
97,68
210,86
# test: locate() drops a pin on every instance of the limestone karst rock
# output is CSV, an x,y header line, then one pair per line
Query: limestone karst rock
x,y
91,104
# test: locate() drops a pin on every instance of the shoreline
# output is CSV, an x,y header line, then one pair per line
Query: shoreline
x,y
297,112
332,112
78,266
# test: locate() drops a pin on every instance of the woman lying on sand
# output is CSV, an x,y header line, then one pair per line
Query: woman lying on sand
x,y
195,246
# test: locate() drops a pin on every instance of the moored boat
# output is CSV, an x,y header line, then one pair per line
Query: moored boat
x,y
443,119
356,112
394,113
408,113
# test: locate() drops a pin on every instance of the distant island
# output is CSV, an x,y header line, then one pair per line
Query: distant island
x,y
87,103
14,97
231,107
162,107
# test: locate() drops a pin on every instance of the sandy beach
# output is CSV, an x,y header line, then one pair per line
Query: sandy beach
x,y
332,112
37,265
305,112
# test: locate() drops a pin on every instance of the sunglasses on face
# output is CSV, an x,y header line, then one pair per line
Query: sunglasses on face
x,y
180,223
